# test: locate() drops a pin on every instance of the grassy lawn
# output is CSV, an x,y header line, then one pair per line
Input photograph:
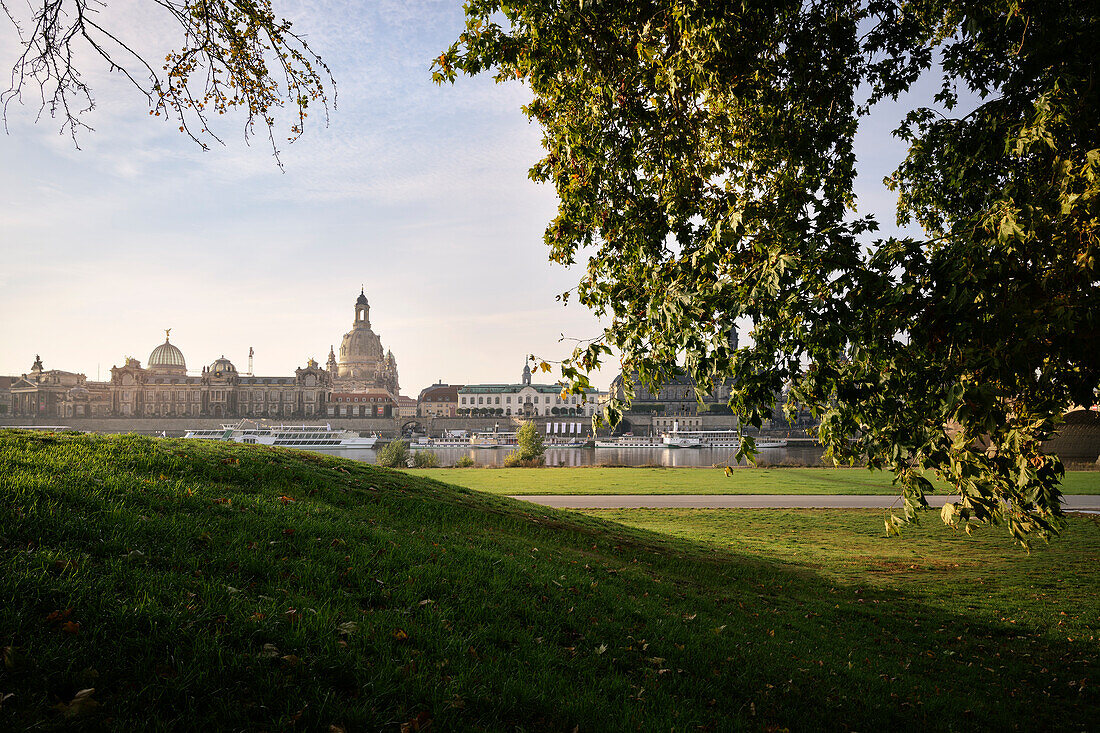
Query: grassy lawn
x,y
199,586
520,481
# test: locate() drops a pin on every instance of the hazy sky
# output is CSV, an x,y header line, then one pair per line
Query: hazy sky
x,y
418,192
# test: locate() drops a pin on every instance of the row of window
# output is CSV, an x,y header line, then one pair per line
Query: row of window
x,y
556,399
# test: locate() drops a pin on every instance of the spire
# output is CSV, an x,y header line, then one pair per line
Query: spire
x,y
526,374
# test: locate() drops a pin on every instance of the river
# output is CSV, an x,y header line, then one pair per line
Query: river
x,y
794,455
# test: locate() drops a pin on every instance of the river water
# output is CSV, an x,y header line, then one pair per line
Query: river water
x,y
793,455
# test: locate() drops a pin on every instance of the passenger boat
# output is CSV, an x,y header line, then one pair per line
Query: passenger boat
x,y
630,441
307,437
429,443
714,439
493,440
771,443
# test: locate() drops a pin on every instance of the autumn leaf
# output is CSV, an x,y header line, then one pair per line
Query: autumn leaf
x,y
421,722
400,635
8,655
81,704
269,651
287,499
71,627
348,628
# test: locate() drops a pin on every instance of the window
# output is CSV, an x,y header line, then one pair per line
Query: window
x,y
498,399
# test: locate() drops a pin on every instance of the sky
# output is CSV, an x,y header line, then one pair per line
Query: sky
x,y
416,192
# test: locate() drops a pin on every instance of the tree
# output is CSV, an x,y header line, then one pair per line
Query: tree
x,y
703,151
233,56
529,447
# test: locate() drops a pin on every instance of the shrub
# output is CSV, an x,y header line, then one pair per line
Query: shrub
x,y
465,462
514,460
394,455
425,459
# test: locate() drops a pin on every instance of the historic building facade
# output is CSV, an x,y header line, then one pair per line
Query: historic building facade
x,y
365,382
524,400
438,400
163,388
52,393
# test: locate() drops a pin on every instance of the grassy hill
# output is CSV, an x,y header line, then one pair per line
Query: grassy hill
x,y
209,586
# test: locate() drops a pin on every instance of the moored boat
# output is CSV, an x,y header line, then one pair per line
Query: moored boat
x,y
306,437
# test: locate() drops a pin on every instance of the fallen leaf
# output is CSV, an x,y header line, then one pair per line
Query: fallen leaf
x,y
81,704
601,649
71,627
9,657
269,651
348,627
421,722
400,635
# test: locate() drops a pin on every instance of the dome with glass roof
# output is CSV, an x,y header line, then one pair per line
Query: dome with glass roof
x,y
167,358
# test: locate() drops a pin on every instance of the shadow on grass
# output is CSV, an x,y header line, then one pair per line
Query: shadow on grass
x,y
235,587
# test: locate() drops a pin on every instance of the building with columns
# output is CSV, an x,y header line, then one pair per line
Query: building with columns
x,y
163,388
524,400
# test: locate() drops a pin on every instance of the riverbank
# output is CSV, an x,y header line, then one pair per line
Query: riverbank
x,y
634,480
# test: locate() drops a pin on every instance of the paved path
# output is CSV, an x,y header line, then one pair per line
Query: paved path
x,y
758,501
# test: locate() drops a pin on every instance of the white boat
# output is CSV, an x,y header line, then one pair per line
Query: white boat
x,y
630,441
307,437
715,439
493,440
771,443
681,439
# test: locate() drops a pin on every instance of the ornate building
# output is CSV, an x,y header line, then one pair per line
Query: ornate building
x,y
51,393
365,381
164,389
524,400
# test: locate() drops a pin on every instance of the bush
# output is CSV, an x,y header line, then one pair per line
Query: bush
x,y
394,455
514,460
425,459
465,462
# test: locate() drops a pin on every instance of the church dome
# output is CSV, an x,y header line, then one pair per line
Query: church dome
x,y
359,345
167,356
222,366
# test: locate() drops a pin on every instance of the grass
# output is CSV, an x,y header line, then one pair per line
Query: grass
x,y
198,586
597,480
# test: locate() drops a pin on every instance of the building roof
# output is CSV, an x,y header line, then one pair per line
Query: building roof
x,y
440,393
512,388
166,355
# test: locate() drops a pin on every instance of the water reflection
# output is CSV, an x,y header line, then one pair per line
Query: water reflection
x,y
794,455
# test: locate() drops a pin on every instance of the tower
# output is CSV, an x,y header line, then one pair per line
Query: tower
x,y
526,375
362,310
330,365
733,337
